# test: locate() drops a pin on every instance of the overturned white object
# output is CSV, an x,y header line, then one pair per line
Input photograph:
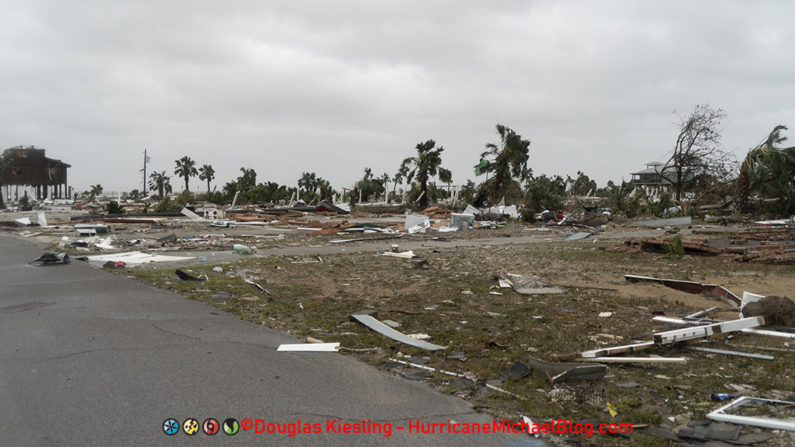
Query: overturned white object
x,y
310,347
510,210
403,254
105,244
41,218
91,229
471,210
24,221
749,298
224,223
462,222
137,257
190,214
417,223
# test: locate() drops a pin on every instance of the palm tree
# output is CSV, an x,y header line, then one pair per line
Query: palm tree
x,y
206,173
161,182
423,166
95,191
397,178
510,160
767,169
186,168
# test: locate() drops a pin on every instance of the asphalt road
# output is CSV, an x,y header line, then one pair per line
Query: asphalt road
x,y
92,358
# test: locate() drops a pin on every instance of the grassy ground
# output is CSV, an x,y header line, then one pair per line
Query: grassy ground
x,y
449,294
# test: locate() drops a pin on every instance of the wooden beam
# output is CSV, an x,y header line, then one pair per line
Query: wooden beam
x,y
635,359
616,350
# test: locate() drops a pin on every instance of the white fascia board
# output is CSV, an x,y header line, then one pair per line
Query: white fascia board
x,y
775,424
310,347
695,332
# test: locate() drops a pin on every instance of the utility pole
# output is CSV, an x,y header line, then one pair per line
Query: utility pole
x,y
146,159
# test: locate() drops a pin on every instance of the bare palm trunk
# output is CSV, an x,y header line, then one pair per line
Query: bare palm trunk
x,y
743,188
424,194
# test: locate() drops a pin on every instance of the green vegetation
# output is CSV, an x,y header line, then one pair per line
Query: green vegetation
x,y
207,174
423,166
768,172
161,182
185,168
508,168
252,192
113,207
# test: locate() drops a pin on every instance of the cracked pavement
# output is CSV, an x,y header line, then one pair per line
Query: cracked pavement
x,y
93,358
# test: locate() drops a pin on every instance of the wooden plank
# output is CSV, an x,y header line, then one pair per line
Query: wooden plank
x,y
690,287
635,359
616,350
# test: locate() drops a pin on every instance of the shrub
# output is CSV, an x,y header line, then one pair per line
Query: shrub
x,y
113,207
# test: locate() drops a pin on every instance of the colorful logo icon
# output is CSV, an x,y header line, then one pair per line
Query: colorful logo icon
x,y
231,426
190,426
210,426
171,426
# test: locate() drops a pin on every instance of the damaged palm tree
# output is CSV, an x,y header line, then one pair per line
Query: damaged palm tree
x,y
207,173
426,164
161,182
769,172
510,163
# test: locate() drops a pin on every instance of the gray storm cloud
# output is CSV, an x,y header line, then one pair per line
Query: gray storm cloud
x,y
332,87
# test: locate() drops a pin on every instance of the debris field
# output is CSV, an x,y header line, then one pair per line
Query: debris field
x,y
520,319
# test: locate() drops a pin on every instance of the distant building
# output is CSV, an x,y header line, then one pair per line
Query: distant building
x,y
650,180
27,166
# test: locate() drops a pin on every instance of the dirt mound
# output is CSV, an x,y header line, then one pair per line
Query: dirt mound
x,y
778,310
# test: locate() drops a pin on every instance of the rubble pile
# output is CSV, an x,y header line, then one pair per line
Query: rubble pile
x,y
761,244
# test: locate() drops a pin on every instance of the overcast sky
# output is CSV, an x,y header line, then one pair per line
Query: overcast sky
x,y
332,87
